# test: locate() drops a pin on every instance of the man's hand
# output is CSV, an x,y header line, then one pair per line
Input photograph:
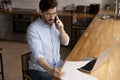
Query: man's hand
x,y
59,24
56,72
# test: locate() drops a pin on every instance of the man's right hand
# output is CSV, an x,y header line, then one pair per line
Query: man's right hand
x,y
56,72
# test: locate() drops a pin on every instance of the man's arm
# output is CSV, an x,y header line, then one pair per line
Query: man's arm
x,y
64,36
52,71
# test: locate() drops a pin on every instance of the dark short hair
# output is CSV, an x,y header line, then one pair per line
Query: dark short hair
x,y
45,5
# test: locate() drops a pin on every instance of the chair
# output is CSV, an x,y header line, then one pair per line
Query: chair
x,y
80,9
24,60
1,61
82,19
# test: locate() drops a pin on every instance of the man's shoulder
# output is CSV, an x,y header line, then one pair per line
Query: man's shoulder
x,y
35,23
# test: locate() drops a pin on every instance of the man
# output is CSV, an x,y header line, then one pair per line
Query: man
x,y
44,37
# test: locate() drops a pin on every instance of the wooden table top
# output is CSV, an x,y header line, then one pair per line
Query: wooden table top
x,y
99,36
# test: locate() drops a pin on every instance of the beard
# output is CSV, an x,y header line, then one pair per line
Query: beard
x,y
49,21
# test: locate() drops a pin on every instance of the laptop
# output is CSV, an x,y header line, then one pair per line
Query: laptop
x,y
94,63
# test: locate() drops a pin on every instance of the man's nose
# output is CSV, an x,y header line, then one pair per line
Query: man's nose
x,y
52,16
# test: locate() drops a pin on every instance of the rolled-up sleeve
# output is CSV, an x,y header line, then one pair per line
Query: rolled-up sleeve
x,y
65,43
34,43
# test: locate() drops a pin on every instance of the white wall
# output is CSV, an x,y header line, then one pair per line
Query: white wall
x,y
30,4
77,2
33,4
111,2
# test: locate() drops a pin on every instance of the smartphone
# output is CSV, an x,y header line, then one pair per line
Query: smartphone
x,y
55,19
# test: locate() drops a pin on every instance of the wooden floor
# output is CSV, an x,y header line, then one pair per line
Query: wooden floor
x,y
12,52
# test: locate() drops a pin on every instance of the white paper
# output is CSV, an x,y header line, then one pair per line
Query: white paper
x,y
71,72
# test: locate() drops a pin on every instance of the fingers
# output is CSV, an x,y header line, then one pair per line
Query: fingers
x,y
57,18
59,24
58,73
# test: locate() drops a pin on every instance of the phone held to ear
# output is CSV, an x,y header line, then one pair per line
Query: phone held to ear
x,y
55,19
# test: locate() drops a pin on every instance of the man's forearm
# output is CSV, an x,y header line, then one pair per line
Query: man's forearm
x,y
52,71
43,63
64,37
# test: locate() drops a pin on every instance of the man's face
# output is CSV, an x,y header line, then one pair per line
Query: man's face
x,y
49,16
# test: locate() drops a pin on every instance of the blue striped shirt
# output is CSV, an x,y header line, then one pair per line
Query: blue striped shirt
x,y
44,41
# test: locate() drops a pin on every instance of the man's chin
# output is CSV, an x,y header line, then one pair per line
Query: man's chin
x,y
51,22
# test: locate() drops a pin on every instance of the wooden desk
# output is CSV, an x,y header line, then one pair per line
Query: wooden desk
x,y
99,36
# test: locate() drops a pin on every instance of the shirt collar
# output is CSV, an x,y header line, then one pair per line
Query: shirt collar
x,y
46,25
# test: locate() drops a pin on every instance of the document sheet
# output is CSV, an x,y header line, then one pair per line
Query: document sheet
x,y
71,72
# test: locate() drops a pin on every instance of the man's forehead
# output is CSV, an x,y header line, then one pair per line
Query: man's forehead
x,y
52,10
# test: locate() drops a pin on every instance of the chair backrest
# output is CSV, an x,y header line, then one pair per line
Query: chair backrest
x,y
1,64
25,59
80,9
25,66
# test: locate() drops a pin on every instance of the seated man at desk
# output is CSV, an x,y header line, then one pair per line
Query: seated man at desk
x,y
44,37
